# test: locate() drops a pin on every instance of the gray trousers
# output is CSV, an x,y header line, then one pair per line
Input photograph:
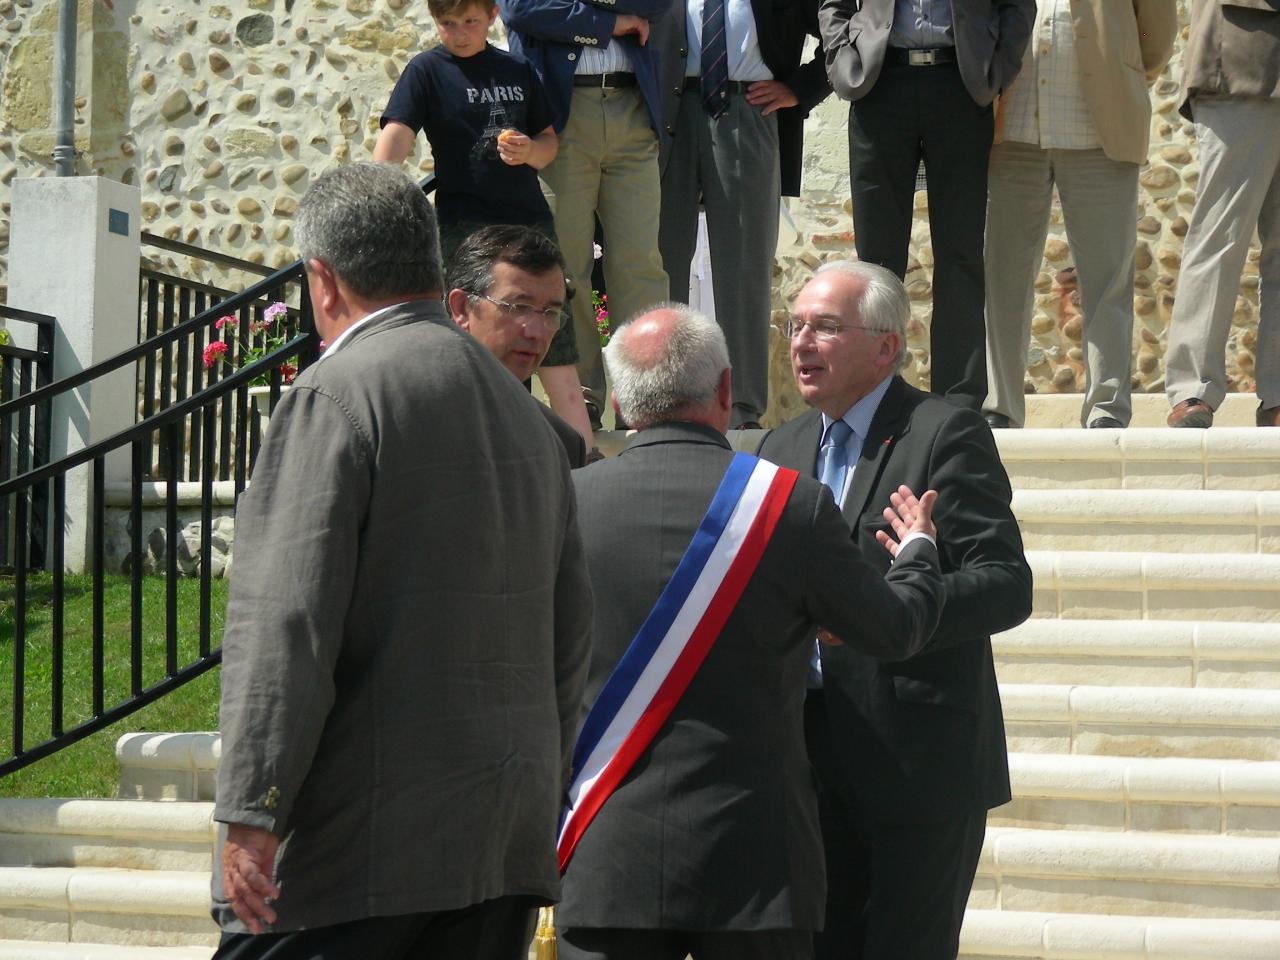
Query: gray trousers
x,y
1238,188
1098,196
730,164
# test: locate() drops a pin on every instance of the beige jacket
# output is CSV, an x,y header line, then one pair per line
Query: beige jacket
x,y
1233,50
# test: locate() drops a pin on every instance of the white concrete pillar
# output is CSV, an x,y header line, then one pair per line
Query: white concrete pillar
x,y
74,253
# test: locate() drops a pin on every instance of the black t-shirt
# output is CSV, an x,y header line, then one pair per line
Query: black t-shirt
x,y
463,103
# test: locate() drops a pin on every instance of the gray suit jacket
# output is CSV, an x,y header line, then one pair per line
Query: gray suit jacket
x,y
407,632
1233,50
990,36
716,826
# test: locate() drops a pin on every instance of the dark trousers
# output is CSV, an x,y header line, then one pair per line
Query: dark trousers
x,y
498,929
894,890
926,112
591,943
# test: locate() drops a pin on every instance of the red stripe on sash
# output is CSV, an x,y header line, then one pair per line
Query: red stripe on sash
x,y
686,664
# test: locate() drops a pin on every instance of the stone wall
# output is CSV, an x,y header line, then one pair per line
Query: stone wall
x,y
223,111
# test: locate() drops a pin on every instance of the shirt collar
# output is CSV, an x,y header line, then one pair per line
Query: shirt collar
x,y
338,341
860,415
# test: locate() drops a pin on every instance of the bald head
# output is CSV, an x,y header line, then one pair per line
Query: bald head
x,y
670,363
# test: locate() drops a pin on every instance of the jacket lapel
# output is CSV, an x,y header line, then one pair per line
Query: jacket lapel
x,y
891,420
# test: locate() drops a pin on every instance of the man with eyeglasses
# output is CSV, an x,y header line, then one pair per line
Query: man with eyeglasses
x,y
909,754
506,288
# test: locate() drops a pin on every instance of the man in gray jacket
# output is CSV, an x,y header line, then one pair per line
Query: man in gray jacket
x,y
407,628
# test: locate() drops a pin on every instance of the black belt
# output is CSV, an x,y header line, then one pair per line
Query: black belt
x,y
733,86
920,58
604,81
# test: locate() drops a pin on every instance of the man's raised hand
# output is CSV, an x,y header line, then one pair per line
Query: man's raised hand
x,y
907,515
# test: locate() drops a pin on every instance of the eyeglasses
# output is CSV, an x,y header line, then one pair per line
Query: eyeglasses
x,y
822,329
552,318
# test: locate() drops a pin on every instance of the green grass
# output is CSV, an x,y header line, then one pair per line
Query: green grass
x,y
88,768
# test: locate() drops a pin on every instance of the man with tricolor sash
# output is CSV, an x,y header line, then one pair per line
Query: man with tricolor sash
x,y
691,826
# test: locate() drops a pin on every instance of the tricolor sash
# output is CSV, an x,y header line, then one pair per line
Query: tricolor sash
x,y
675,637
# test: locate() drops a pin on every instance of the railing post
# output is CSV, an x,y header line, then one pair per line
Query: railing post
x,y
74,255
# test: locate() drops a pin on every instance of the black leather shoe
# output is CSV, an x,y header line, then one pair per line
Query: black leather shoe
x,y
1105,423
997,421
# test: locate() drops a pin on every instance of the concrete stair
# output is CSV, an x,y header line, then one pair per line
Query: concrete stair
x,y
1142,706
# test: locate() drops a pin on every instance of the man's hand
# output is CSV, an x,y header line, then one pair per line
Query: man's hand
x,y
908,515
626,23
770,94
248,857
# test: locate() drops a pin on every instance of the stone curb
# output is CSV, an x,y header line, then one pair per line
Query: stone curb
x,y
80,890
1145,780
1202,446
176,821
1156,639
1143,857
1146,706
38,950
193,751
1207,507
1063,936
1115,571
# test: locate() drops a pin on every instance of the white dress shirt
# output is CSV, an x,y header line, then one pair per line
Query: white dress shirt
x,y
746,65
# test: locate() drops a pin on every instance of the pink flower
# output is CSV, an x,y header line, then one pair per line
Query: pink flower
x,y
214,352
227,321
275,311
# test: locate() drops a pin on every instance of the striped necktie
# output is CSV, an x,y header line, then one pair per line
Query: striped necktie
x,y
715,59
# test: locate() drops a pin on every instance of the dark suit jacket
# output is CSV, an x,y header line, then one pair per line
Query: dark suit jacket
x,y
990,36
407,631
781,27
550,34
575,448
716,828
924,737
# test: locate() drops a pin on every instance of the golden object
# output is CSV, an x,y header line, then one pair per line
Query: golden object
x,y
544,939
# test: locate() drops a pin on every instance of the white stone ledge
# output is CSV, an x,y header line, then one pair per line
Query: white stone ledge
x,y
1145,780
1143,706
82,890
1200,446
1155,639
148,821
1174,507
39,950
155,494
1064,936
1142,857
1111,571
186,751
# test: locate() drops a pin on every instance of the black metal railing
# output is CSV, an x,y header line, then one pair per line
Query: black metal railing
x,y
181,367
25,434
153,669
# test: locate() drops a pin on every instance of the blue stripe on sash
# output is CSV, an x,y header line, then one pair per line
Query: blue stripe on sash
x,y
664,612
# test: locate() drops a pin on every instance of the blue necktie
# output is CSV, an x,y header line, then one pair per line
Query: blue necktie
x,y
835,468
715,59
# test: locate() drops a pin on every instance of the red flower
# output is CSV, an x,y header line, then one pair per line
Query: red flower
x,y
213,353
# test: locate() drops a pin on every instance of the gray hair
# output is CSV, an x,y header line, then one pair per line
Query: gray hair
x,y
884,304
685,375
373,227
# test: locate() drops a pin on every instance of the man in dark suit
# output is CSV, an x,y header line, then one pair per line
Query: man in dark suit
x,y
408,626
710,845
506,288
910,753
922,75
734,135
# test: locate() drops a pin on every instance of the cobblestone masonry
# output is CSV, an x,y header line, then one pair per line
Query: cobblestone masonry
x,y
223,111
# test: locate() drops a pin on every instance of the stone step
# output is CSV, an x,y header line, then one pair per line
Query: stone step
x,y
1169,794
1062,411
38,950
105,906
1217,459
168,766
1172,521
1158,653
1201,722
1140,874
1103,585
106,833
1064,936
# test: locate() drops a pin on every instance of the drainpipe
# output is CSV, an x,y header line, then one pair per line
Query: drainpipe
x,y
64,91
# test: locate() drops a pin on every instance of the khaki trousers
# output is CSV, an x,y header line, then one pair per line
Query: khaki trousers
x,y
1099,199
1238,188
607,166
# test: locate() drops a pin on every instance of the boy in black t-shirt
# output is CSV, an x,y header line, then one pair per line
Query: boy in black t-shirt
x,y
488,121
